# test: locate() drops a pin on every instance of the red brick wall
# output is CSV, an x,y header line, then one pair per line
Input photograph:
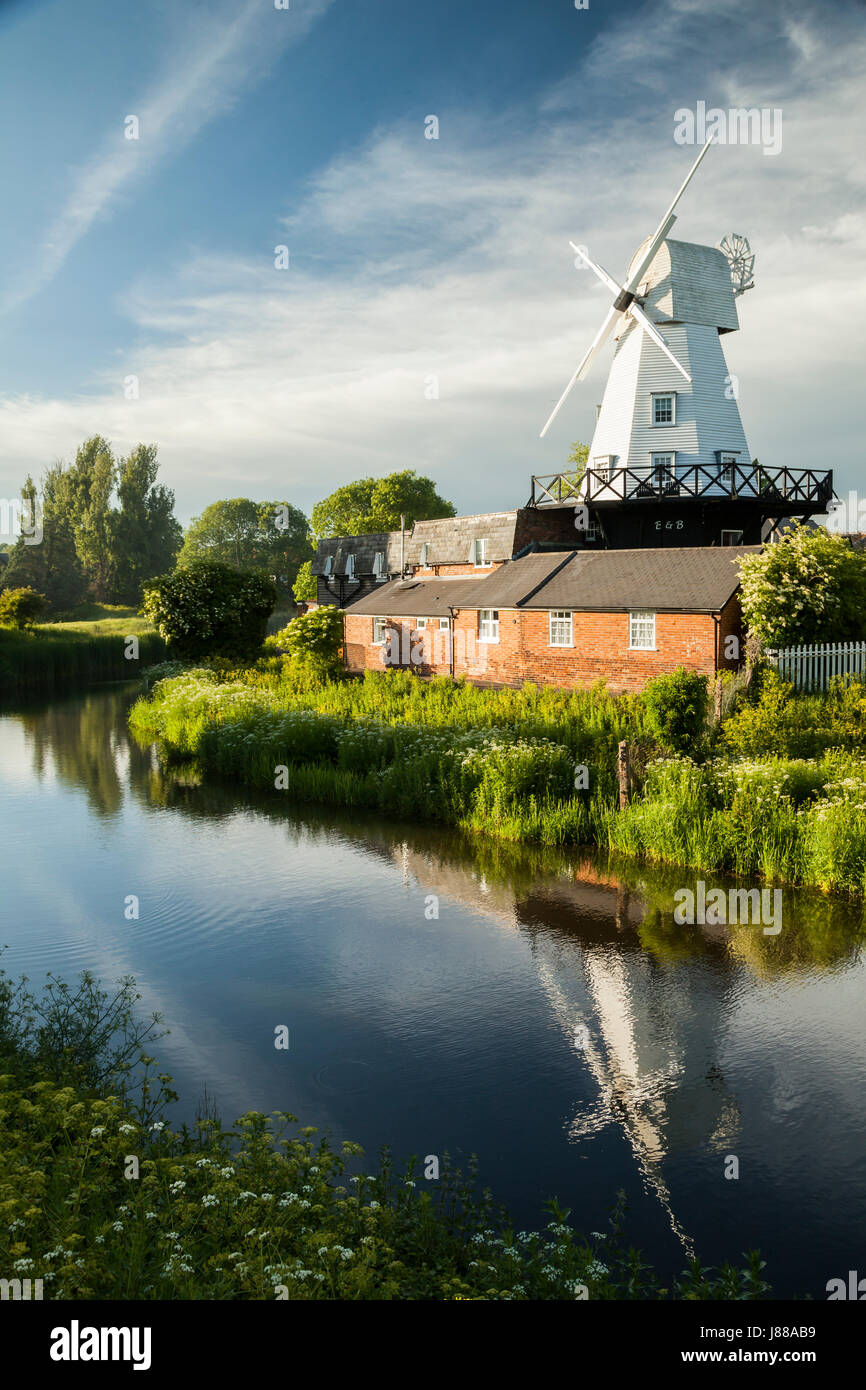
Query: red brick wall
x,y
429,571
600,651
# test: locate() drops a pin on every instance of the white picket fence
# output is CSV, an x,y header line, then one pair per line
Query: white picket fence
x,y
811,668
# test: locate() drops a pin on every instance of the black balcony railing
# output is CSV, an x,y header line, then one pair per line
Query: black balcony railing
x,y
792,487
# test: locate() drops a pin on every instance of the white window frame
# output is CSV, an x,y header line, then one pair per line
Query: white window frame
x,y
558,620
444,624
380,624
425,555
727,463
488,627
479,548
420,624
663,396
602,464
732,532
379,566
670,468
329,566
638,622
350,566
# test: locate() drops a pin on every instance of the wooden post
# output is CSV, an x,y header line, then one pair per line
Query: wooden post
x,y
717,698
623,769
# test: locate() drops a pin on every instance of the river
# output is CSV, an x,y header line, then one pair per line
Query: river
x,y
551,1019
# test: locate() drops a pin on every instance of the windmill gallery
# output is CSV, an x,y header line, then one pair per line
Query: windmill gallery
x,y
622,570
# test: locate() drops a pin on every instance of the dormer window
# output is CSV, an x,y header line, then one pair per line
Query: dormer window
x,y
379,565
329,566
479,554
350,567
425,555
664,407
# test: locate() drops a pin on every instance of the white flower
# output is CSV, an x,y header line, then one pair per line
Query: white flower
x,y
96,1131
210,1200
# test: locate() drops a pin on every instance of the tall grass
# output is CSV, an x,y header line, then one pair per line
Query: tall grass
x,y
50,658
503,762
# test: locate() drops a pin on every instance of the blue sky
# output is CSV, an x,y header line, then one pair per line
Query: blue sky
x,y
410,259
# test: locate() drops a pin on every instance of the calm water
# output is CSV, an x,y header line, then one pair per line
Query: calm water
x,y
456,1034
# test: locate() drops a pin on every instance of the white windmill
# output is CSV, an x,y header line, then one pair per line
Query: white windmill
x,y
670,405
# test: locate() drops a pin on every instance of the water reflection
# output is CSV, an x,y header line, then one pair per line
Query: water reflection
x,y
682,1043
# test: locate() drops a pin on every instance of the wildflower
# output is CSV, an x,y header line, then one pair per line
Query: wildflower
x,y
96,1131
159,1125
210,1200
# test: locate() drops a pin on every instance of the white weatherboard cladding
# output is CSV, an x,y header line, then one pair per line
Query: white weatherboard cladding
x,y
688,283
706,419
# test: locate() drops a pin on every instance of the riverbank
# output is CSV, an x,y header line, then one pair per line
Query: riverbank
x,y
52,657
777,790
262,1210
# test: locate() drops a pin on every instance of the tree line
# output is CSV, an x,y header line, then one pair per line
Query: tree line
x,y
108,528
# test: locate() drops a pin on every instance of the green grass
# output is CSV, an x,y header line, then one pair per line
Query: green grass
x,y
50,657
99,618
432,751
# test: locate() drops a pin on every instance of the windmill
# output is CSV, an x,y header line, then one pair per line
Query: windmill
x,y
626,306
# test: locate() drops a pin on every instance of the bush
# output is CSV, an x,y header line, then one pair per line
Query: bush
x,y
21,607
315,641
304,587
811,587
676,709
209,609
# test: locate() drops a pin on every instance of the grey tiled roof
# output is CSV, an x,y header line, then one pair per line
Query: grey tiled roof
x,y
422,598
451,539
364,550
694,580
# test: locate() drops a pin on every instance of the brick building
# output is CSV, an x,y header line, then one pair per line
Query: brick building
x,y
566,617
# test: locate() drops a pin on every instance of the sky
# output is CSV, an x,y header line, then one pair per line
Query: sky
x,y
430,312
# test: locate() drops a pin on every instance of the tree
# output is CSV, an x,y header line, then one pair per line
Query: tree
x,y
20,607
305,589
53,566
92,479
210,609
145,536
376,504
578,459
273,537
810,587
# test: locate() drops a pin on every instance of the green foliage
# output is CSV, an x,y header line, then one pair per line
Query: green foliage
x,y
254,1212
272,537
578,458
315,640
376,504
46,658
304,588
811,587
779,721
20,607
90,547
209,609
676,708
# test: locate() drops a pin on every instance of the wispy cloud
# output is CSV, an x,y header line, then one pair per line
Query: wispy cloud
x,y
215,56
415,260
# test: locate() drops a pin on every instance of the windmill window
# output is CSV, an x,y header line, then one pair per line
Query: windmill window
x,y
479,554
602,465
488,625
642,630
379,626
561,632
664,408
350,567
726,467
664,469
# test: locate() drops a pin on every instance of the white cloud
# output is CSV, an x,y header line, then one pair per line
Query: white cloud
x,y
414,259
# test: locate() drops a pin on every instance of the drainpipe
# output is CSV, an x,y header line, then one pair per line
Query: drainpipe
x,y
402,545
451,640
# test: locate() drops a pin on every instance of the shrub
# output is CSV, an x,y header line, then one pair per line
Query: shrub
x,y
209,609
676,709
21,607
315,640
304,587
811,587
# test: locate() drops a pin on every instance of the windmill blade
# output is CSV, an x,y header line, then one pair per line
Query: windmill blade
x,y
665,225
600,271
651,331
612,318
